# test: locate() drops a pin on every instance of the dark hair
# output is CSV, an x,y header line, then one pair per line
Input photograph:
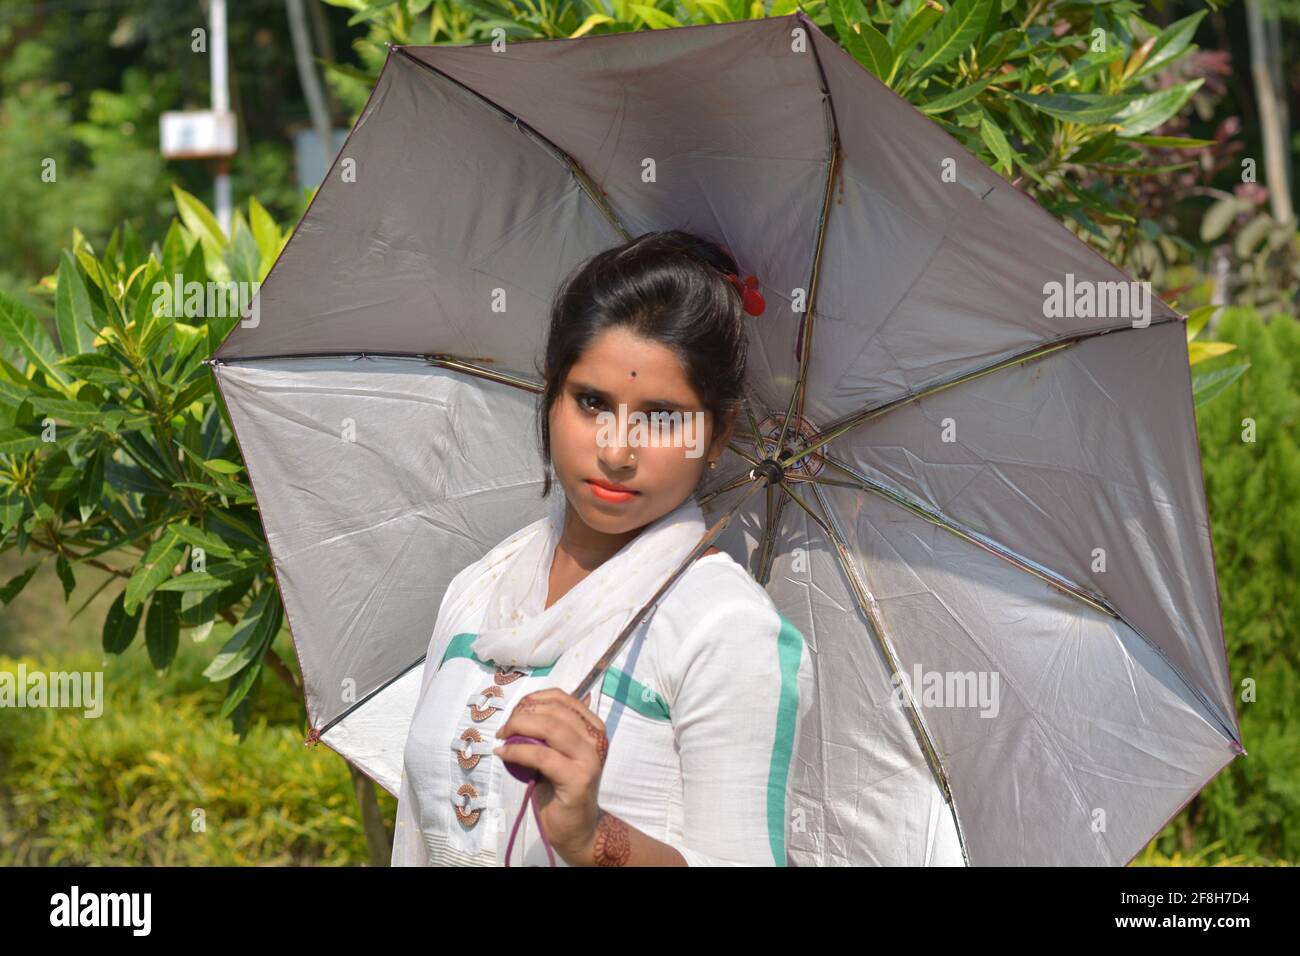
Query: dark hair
x,y
669,287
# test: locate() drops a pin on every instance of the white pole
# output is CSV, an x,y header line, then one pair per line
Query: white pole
x,y
221,104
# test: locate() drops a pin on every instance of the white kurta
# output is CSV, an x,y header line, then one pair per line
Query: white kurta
x,y
702,707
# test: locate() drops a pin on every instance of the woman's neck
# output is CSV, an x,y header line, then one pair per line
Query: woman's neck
x,y
586,548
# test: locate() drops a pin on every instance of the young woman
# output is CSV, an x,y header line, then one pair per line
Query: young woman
x,y
683,757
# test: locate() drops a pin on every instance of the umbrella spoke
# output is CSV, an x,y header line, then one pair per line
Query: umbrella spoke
x,y
802,504
843,424
760,443
935,517
1045,574
804,345
742,453
767,545
469,368
867,603
736,481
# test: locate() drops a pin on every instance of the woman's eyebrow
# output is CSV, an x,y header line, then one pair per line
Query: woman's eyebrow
x,y
606,397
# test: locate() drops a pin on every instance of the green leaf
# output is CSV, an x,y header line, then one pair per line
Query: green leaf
x,y
119,627
14,586
90,489
65,409
251,637
72,312
93,367
596,19
154,568
199,220
199,538
1203,351
1197,318
174,254
20,439
132,249
1220,216
243,255
1090,109
654,18
955,32
266,233
221,467
1177,142
997,142
1171,42
162,628
863,41
963,94
198,609
241,685
1145,113
152,316
66,577
23,331
918,24
1206,385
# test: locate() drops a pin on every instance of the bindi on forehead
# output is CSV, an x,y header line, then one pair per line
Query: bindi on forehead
x,y
632,373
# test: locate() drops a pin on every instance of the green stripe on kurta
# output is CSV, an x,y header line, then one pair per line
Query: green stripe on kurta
x,y
789,647
617,685
634,694
460,646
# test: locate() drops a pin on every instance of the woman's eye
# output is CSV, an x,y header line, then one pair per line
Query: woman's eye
x,y
584,398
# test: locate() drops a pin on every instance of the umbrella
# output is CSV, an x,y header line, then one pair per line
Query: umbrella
x,y
981,499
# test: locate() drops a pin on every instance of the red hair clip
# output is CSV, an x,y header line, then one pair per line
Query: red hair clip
x,y
753,299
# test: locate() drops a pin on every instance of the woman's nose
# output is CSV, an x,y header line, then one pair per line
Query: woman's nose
x,y
615,455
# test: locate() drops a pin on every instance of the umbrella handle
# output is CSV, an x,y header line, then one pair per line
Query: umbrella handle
x,y
529,775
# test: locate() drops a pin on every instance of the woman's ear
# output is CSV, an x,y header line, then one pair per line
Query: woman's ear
x,y
727,428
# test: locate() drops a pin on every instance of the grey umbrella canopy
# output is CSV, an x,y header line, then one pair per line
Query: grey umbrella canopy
x,y
988,518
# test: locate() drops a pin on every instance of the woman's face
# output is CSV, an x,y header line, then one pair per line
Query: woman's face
x,y
621,367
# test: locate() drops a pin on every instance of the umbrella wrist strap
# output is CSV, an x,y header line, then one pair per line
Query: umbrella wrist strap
x,y
530,797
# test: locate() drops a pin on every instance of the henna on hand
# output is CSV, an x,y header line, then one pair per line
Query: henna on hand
x,y
612,844
602,742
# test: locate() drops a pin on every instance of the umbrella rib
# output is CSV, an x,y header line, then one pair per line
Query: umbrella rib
x,y
867,604
766,544
584,180
805,333
936,517
469,368
810,311
451,362
730,484
1053,578
839,426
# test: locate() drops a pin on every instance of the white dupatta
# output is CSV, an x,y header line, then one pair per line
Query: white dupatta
x,y
502,598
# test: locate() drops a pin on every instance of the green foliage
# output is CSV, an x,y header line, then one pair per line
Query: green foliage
x,y
1253,492
116,451
158,780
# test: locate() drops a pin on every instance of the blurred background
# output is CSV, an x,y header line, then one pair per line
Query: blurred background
x,y
144,138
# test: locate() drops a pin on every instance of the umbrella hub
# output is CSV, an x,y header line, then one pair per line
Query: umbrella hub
x,y
798,434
